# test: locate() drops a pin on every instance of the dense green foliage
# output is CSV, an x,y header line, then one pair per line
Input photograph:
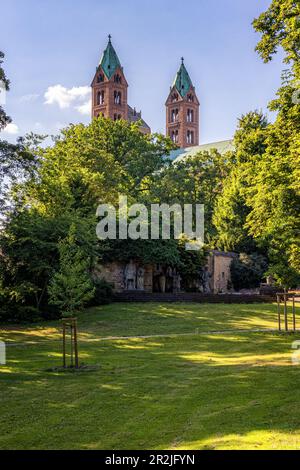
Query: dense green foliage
x,y
4,82
280,27
87,165
17,161
231,209
260,205
71,287
247,271
198,179
93,164
103,292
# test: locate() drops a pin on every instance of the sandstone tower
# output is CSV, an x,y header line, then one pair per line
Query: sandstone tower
x,y
182,105
109,90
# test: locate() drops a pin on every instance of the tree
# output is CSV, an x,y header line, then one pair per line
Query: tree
x,y
259,207
17,161
274,195
261,198
194,180
231,209
4,82
71,287
230,214
250,137
247,271
280,27
30,256
89,165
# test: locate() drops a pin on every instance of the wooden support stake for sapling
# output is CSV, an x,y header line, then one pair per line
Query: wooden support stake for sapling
x,y
278,312
71,324
76,344
294,314
64,346
286,325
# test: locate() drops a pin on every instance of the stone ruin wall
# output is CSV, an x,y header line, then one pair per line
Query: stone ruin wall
x,y
218,268
114,274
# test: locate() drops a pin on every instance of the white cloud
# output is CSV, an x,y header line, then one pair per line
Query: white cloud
x,y
85,108
64,97
11,129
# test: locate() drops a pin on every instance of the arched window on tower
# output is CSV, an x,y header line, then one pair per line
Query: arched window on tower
x,y
190,137
174,136
117,78
100,78
117,97
174,115
174,97
100,97
190,115
190,98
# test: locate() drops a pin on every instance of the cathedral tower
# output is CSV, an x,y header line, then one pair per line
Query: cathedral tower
x,y
183,111
109,91
109,87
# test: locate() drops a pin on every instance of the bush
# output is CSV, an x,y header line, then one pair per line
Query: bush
x,y
14,312
284,275
103,292
247,271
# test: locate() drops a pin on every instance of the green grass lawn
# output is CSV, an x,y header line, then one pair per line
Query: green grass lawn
x,y
130,319
234,389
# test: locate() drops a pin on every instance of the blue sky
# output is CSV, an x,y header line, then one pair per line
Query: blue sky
x,y
52,48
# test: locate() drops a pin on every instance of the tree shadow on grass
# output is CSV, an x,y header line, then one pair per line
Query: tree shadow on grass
x,y
207,391
152,319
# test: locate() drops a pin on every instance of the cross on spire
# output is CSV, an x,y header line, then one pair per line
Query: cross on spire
x,y
109,37
182,60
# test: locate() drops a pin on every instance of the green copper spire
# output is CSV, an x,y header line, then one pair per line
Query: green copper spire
x,y
109,60
182,80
